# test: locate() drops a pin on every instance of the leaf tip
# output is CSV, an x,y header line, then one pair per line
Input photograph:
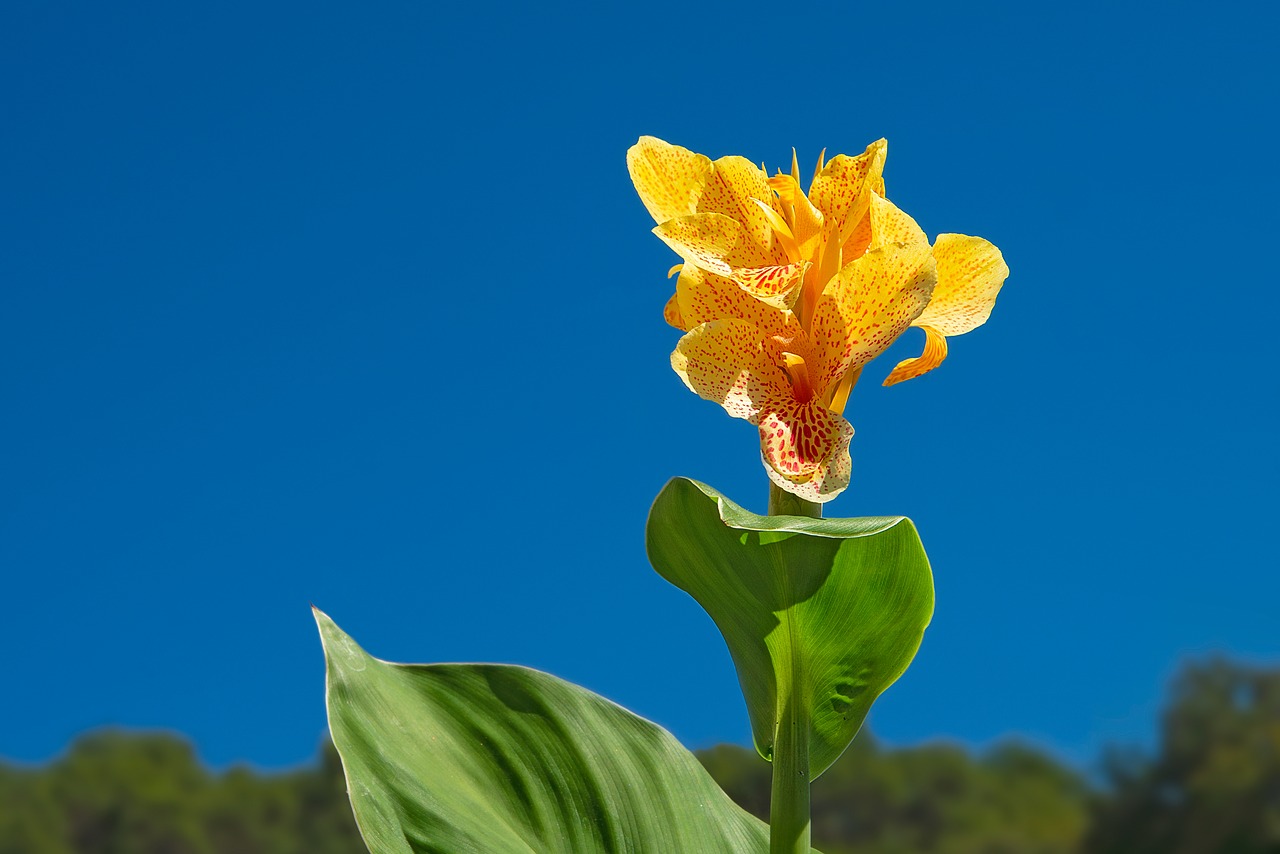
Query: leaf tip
x,y
323,621
339,647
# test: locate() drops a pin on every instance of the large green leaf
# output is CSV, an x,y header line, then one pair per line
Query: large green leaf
x,y
820,613
492,759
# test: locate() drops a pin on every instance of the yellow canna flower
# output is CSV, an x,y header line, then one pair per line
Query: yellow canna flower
x,y
784,296
783,378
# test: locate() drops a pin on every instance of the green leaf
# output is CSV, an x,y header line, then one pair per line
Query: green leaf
x,y
828,612
462,758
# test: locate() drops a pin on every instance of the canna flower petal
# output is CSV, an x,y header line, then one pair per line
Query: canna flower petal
x,y
842,188
884,223
713,242
733,363
797,439
674,182
829,478
870,303
858,241
971,272
890,224
702,297
935,350
805,220
671,313
670,179
737,188
776,286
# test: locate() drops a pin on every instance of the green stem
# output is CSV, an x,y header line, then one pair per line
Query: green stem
x,y
789,808
789,800
783,503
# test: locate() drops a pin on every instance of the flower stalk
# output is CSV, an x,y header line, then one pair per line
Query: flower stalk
x,y
789,809
789,806
783,503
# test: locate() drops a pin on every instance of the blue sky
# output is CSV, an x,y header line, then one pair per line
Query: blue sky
x,y
354,304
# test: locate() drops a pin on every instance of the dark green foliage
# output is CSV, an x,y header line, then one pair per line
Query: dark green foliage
x,y
119,793
936,798
1213,787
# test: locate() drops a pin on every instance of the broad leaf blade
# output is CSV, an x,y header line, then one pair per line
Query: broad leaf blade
x,y
834,609
476,758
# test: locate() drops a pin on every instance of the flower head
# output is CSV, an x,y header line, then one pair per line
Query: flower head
x,y
785,296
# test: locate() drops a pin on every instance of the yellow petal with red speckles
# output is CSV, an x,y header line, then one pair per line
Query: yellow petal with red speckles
x,y
797,438
858,241
733,363
867,305
884,223
776,286
736,189
891,224
935,350
971,272
669,179
842,188
713,242
702,297
826,478
671,312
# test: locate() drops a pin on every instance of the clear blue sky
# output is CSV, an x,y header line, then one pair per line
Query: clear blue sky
x,y
354,304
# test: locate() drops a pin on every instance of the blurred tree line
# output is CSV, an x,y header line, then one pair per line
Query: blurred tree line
x,y
1212,786
121,793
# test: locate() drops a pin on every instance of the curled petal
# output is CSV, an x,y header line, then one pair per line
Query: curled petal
x,y
971,272
671,313
732,363
821,479
669,179
935,350
869,304
776,286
